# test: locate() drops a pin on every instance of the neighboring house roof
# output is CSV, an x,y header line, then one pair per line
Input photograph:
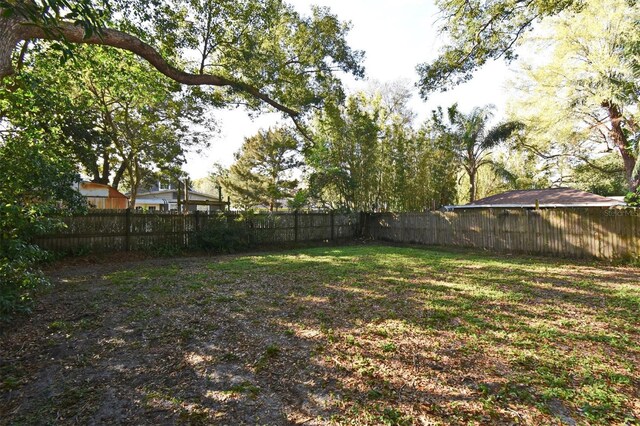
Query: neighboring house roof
x,y
90,189
151,201
168,197
170,192
552,197
155,194
101,196
618,198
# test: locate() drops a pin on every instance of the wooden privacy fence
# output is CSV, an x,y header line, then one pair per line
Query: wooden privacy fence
x,y
570,232
126,230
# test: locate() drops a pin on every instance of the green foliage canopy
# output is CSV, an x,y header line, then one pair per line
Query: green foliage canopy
x,y
368,156
255,52
118,119
263,171
471,140
583,102
480,31
37,182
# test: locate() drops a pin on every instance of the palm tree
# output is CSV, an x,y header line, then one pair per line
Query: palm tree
x,y
472,141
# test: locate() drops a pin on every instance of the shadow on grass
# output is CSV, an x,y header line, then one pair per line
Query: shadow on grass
x,y
356,334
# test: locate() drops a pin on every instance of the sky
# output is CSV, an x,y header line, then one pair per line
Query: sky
x,y
396,36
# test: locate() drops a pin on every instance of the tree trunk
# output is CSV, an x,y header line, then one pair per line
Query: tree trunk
x,y
9,39
472,189
102,176
106,167
95,172
617,135
186,195
119,174
101,180
134,178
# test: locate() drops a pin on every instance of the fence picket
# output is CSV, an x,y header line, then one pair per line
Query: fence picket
x,y
126,230
584,232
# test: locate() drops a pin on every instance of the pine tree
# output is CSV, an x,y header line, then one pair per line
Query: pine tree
x,y
263,170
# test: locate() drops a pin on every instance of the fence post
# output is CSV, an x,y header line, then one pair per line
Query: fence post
x,y
295,225
183,233
333,232
127,230
196,229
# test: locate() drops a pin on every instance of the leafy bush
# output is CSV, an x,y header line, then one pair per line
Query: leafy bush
x,y
18,277
300,200
633,199
224,234
607,178
165,250
36,186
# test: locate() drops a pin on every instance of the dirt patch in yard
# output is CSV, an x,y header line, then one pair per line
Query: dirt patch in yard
x,y
352,335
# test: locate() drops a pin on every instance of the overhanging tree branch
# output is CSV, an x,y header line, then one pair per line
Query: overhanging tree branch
x,y
14,30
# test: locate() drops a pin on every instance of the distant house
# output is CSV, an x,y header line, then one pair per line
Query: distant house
x,y
168,197
101,196
541,198
277,205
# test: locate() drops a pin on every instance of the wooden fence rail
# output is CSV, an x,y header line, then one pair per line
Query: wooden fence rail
x,y
568,232
125,230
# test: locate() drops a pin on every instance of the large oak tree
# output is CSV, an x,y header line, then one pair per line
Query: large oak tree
x,y
583,101
257,51
479,31
116,118
251,52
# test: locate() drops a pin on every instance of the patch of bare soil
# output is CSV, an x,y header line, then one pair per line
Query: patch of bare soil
x,y
156,352
349,336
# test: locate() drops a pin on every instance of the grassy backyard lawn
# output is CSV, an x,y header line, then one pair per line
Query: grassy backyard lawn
x,y
344,335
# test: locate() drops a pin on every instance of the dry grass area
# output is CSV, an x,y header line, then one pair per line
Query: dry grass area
x,y
346,335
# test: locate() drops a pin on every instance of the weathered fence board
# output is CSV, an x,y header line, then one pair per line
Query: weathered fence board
x,y
575,232
125,230
569,232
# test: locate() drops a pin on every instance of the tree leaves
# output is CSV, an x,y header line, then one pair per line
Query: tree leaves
x,y
368,156
471,141
481,30
113,113
261,51
583,102
262,173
